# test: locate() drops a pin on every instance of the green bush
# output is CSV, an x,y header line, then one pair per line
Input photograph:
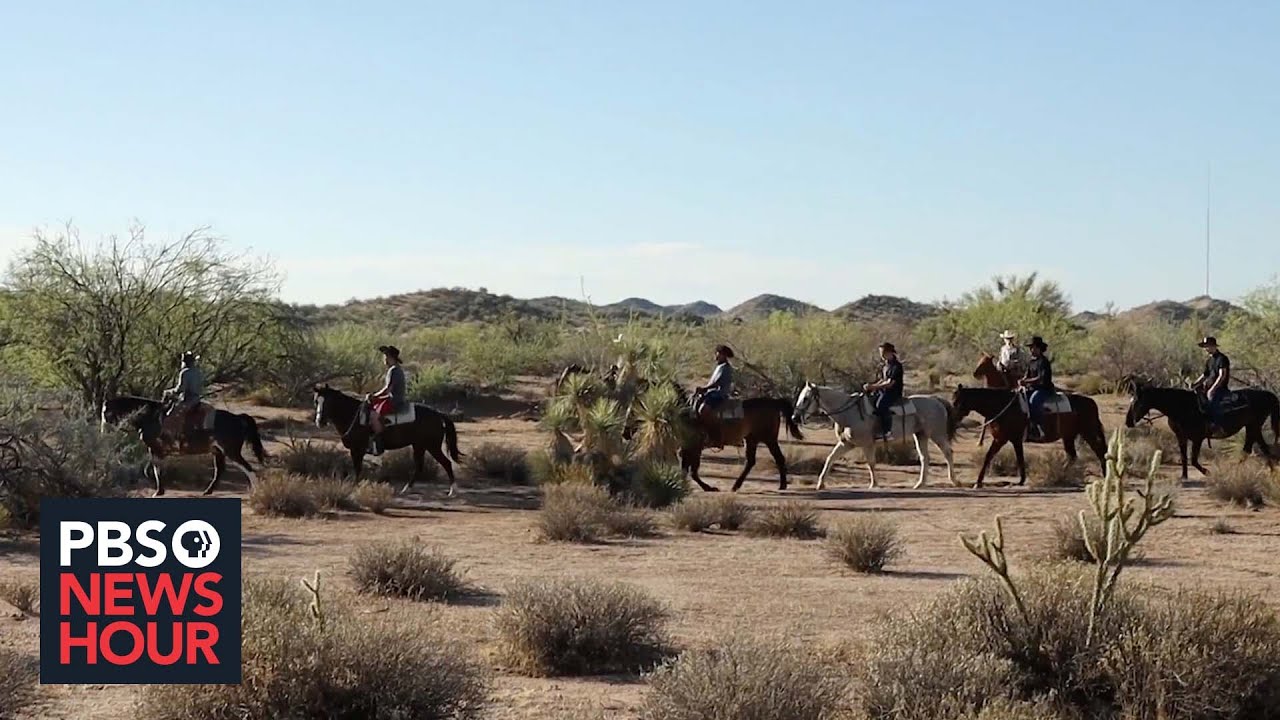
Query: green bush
x,y
580,627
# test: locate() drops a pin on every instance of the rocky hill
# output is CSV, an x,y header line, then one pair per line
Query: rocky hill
x,y
762,306
872,308
1210,311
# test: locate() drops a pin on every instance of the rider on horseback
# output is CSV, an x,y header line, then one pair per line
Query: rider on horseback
x,y
1039,381
185,396
714,394
888,389
1011,360
390,399
1214,381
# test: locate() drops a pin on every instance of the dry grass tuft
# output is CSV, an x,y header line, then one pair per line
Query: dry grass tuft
x,y
900,451
580,627
865,543
18,679
1248,483
22,594
314,459
374,497
704,512
405,569
279,494
752,679
790,519
1222,526
1054,470
575,512
334,493
1068,539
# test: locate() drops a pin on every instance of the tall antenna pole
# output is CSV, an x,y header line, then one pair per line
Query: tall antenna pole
x,y
1208,189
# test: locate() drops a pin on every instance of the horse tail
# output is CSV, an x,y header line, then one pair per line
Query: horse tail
x,y
953,419
1275,417
788,411
451,437
255,440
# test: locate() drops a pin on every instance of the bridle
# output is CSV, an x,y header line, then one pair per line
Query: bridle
x,y
815,398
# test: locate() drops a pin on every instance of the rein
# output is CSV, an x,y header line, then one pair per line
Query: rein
x,y
1000,414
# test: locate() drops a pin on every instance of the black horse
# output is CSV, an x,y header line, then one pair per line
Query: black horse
x,y
1249,409
225,441
1003,413
428,431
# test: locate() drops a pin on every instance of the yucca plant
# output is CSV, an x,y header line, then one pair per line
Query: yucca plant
x,y
660,434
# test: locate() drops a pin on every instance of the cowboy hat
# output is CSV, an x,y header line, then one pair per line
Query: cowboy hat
x,y
391,350
887,346
1037,341
1209,341
1008,335
725,349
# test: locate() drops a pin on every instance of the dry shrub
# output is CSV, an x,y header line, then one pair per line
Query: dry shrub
x,y
546,471
1092,384
576,512
190,472
278,494
396,467
18,679
792,519
315,459
865,543
22,594
405,569
1142,440
1248,483
969,654
1068,538
1054,470
1005,463
374,497
704,512
900,451
334,493
351,667
799,462
581,627
748,680
498,463
1222,526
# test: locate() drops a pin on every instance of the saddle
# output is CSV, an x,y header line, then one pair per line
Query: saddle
x,y
728,410
902,408
1057,404
407,415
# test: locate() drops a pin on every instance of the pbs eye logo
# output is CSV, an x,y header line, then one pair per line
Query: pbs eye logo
x,y
196,544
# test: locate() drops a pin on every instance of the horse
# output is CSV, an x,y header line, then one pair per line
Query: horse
x,y
1002,412
761,422
855,425
991,375
224,441
429,430
1182,410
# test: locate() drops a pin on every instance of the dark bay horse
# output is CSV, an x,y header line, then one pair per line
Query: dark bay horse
x,y
992,377
429,430
225,441
762,420
1003,413
1182,410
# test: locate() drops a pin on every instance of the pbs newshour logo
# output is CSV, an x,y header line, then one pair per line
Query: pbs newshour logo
x,y
140,591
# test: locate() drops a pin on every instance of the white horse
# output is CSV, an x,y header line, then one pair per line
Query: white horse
x,y
855,424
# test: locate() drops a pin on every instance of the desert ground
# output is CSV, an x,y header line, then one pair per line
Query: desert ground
x,y
715,584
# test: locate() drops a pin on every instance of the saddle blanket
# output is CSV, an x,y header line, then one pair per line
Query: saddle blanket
x,y
407,416
1057,404
902,408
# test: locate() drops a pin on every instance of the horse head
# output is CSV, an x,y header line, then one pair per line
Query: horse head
x,y
1139,403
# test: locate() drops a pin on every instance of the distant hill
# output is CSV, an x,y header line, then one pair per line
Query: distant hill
x,y
872,308
700,308
762,306
1208,310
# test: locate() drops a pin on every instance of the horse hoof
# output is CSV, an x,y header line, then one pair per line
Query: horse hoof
x,y
207,493
451,491
403,490
157,493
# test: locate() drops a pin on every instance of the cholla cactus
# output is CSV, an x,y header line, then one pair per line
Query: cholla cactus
x,y
990,550
1125,520
317,612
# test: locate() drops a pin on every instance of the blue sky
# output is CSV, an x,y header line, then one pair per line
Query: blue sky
x,y
674,150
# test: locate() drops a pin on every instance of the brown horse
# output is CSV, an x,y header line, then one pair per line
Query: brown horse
x,y
761,422
1003,412
991,375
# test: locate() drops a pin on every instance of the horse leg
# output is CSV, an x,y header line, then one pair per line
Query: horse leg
x,y
780,460
1069,444
869,454
441,458
996,444
1195,456
751,462
1251,434
840,449
1098,443
691,460
1182,450
357,462
1022,461
155,473
238,460
219,465
419,452
922,450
